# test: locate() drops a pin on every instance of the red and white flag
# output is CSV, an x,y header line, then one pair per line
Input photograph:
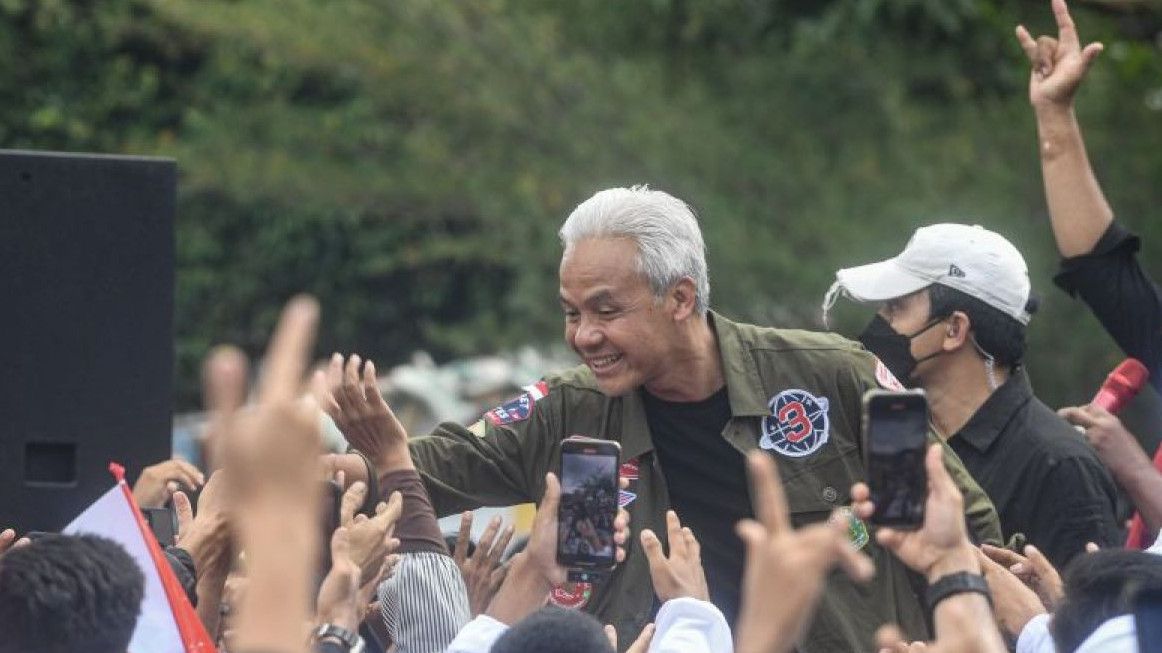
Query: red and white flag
x,y
168,622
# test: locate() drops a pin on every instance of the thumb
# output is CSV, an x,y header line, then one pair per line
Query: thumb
x,y
552,497
184,511
1090,53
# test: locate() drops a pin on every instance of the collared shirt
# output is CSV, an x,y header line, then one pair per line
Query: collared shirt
x,y
1044,479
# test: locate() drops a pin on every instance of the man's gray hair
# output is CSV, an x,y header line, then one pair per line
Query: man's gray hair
x,y
668,239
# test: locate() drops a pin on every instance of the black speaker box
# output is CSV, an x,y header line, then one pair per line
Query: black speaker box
x,y
86,327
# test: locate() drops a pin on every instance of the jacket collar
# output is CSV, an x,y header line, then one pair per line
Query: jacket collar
x,y
743,387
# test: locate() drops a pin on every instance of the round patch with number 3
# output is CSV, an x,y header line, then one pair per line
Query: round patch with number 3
x,y
798,424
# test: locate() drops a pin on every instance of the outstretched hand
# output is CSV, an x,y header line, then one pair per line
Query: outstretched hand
x,y
784,566
352,398
1059,64
680,574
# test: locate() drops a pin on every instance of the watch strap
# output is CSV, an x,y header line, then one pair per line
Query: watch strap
x,y
351,641
957,583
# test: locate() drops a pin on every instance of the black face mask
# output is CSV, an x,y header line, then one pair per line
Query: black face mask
x,y
894,349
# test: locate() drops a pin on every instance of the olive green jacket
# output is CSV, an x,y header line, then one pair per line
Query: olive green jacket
x,y
502,460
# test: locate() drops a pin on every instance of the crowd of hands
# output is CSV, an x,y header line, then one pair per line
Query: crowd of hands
x,y
254,534
265,496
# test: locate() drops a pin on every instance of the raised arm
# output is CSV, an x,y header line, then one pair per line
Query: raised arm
x,y
1078,210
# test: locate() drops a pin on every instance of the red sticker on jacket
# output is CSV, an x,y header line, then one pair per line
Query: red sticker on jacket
x,y
629,469
573,599
885,377
520,408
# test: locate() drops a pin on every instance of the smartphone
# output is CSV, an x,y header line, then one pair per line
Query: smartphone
x,y
895,432
588,504
161,522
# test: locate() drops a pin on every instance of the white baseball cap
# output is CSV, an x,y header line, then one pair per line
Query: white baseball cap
x,y
973,260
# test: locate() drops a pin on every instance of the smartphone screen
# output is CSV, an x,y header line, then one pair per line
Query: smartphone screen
x,y
588,503
895,443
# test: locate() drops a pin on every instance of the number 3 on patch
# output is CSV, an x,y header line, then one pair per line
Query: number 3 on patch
x,y
798,424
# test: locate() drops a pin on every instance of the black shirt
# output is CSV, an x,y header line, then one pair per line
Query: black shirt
x,y
1044,479
1120,294
706,479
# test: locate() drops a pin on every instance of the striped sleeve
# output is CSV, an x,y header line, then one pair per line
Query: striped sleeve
x,y
424,603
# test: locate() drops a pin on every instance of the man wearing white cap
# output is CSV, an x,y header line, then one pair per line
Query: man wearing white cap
x,y
953,310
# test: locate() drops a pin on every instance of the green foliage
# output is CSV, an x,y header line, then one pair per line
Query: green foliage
x,y
410,162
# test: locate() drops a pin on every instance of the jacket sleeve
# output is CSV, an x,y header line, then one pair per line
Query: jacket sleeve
x,y
493,462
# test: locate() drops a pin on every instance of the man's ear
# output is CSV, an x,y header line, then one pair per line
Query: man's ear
x,y
684,295
956,332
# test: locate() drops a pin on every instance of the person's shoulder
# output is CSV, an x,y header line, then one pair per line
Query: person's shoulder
x,y
1052,438
792,340
578,379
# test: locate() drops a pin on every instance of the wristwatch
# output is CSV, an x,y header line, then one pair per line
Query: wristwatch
x,y
958,583
350,641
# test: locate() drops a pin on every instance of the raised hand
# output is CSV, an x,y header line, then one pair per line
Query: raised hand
x,y
941,545
482,571
157,483
370,538
1059,64
680,574
1014,603
1034,569
338,599
353,400
1115,446
784,566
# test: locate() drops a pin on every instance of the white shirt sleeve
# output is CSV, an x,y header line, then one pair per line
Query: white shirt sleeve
x,y
689,625
1117,635
1035,637
478,636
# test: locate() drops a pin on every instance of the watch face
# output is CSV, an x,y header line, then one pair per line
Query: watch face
x,y
349,640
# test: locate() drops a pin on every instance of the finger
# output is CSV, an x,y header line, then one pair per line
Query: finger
x,y
622,483
1077,416
653,550
693,548
939,481
290,347
642,643
1028,44
224,380
889,638
340,544
1001,556
321,391
24,541
770,505
1091,52
552,498
6,539
500,546
753,535
1065,28
611,635
351,387
171,487
1090,547
190,472
370,383
390,515
354,497
460,554
890,538
335,371
674,535
1047,48
484,544
184,511
856,565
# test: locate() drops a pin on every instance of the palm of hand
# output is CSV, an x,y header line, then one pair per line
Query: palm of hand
x,y
275,443
1058,80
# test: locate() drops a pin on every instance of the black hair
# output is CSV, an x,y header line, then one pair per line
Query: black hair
x,y
65,593
451,539
557,630
1100,586
997,333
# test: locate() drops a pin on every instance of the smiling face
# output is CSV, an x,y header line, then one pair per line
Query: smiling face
x,y
612,319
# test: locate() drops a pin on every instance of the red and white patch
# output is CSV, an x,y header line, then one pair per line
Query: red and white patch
x,y
629,469
519,408
885,377
571,596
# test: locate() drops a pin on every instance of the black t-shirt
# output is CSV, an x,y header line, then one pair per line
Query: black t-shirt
x,y
707,482
1121,295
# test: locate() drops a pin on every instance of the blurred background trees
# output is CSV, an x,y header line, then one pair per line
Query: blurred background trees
x,y
410,162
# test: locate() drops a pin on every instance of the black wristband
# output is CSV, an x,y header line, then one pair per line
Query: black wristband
x,y
958,583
